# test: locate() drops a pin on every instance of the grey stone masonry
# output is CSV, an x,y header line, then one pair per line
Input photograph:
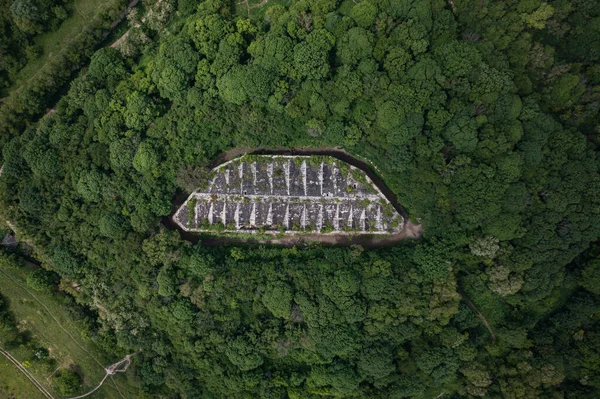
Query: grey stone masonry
x,y
289,195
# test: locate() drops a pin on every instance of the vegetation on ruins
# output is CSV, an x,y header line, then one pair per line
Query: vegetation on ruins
x,y
301,195
481,116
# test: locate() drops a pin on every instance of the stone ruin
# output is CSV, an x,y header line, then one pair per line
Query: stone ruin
x,y
288,195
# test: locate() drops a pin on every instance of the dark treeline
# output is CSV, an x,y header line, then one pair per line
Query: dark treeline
x,y
482,117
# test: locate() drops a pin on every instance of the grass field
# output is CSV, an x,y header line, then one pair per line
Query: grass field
x,y
257,8
45,318
54,43
14,385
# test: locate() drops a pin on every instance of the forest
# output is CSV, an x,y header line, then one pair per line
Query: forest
x,y
481,116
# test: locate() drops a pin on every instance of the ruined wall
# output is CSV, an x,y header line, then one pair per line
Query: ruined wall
x,y
290,195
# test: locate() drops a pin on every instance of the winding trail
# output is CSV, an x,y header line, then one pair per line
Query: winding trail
x,y
471,305
31,378
66,46
64,329
119,367
51,315
120,40
12,227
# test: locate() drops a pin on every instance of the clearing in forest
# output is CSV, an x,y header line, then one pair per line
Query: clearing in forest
x,y
45,318
57,43
282,194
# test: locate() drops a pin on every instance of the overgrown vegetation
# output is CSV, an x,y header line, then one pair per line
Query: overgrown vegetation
x,y
54,338
481,116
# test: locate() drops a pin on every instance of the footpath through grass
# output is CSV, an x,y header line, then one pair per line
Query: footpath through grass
x,y
53,44
13,384
44,316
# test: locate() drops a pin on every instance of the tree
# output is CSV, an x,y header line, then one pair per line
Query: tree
x,y
484,246
376,363
41,280
122,153
139,111
172,82
106,66
503,282
278,299
462,132
30,200
242,354
65,263
356,45
538,18
433,259
245,83
146,158
67,382
90,185
590,277
166,282
28,15
310,56
191,178
340,379
364,13
113,225
478,378
564,92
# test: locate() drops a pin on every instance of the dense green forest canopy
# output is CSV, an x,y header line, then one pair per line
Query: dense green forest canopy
x,y
482,117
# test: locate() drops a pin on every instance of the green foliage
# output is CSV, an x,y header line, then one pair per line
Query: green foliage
x,y
114,226
278,299
166,282
591,277
245,83
310,56
36,16
484,246
65,263
146,158
433,260
481,117
41,280
66,381
364,13
243,355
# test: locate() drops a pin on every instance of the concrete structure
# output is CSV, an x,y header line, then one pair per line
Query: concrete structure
x,y
9,241
289,195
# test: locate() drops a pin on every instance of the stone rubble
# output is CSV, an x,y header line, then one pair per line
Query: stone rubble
x,y
289,195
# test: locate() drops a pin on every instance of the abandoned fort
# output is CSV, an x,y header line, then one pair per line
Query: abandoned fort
x,y
288,195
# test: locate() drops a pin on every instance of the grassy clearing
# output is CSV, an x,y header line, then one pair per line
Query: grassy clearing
x,y
13,384
54,43
257,7
45,318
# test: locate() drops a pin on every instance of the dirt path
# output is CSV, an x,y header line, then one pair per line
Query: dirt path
x,y
29,376
367,241
120,40
119,367
51,315
61,326
249,7
471,305
65,47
